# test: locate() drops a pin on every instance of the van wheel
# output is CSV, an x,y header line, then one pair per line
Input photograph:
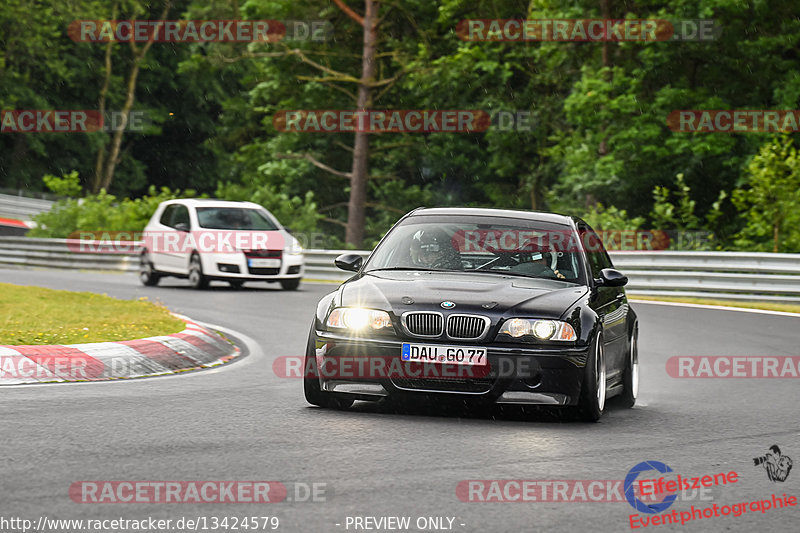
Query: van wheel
x,y
197,279
147,274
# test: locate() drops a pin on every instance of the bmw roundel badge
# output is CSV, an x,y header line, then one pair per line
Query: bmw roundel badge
x,y
447,305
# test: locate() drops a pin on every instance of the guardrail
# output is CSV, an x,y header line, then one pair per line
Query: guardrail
x,y
22,207
720,275
54,253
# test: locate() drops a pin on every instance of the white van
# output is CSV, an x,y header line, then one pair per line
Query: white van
x,y
204,240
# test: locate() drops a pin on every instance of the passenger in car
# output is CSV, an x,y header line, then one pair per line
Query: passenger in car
x,y
537,264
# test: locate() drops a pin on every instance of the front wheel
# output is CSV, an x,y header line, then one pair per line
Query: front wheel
x,y
593,392
196,277
313,392
630,381
147,274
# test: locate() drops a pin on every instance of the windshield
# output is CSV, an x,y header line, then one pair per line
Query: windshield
x,y
233,218
481,244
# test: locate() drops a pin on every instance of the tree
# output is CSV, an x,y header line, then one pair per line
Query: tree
x,y
105,165
770,204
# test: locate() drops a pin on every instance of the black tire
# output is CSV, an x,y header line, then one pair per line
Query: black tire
x,y
147,274
593,391
630,379
236,283
314,394
290,284
197,279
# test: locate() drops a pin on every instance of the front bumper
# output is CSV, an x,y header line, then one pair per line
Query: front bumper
x,y
235,266
515,374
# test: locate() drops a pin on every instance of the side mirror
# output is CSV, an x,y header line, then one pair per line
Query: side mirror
x,y
182,226
349,262
610,277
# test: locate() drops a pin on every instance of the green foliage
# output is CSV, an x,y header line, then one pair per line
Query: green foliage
x,y
667,215
602,218
770,201
67,185
101,212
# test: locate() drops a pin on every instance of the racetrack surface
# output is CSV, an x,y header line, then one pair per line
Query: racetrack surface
x,y
241,422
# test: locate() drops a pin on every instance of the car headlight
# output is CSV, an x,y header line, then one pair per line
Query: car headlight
x,y
544,330
358,319
293,248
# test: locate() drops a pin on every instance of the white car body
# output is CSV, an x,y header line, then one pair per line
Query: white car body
x,y
183,229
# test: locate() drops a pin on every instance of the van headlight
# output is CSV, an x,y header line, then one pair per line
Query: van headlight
x,y
293,248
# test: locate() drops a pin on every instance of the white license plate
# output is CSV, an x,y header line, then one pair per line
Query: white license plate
x,y
264,263
437,353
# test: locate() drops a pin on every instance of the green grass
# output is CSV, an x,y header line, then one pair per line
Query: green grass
x,y
34,315
768,306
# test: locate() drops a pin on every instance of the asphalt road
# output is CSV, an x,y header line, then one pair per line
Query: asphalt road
x,y
242,422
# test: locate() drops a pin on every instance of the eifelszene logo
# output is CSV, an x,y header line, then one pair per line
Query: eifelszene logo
x,y
630,484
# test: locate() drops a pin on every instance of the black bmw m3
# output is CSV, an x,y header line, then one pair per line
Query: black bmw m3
x,y
484,305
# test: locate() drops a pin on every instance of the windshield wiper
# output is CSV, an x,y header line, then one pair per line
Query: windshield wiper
x,y
515,274
415,269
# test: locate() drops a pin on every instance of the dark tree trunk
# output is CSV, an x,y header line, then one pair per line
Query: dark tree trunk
x,y
354,233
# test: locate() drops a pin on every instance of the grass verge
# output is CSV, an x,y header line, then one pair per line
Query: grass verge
x,y
35,315
768,306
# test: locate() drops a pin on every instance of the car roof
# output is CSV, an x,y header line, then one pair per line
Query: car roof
x,y
538,216
212,202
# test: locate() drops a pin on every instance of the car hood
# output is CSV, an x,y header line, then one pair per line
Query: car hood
x,y
401,291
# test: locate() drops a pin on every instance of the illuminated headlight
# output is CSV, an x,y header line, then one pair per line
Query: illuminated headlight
x,y
293,248
357,319
546,330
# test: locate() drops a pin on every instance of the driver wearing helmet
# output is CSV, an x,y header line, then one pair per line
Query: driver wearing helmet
x,y
432,249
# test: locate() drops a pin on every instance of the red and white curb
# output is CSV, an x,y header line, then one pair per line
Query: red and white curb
x,y
193,348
